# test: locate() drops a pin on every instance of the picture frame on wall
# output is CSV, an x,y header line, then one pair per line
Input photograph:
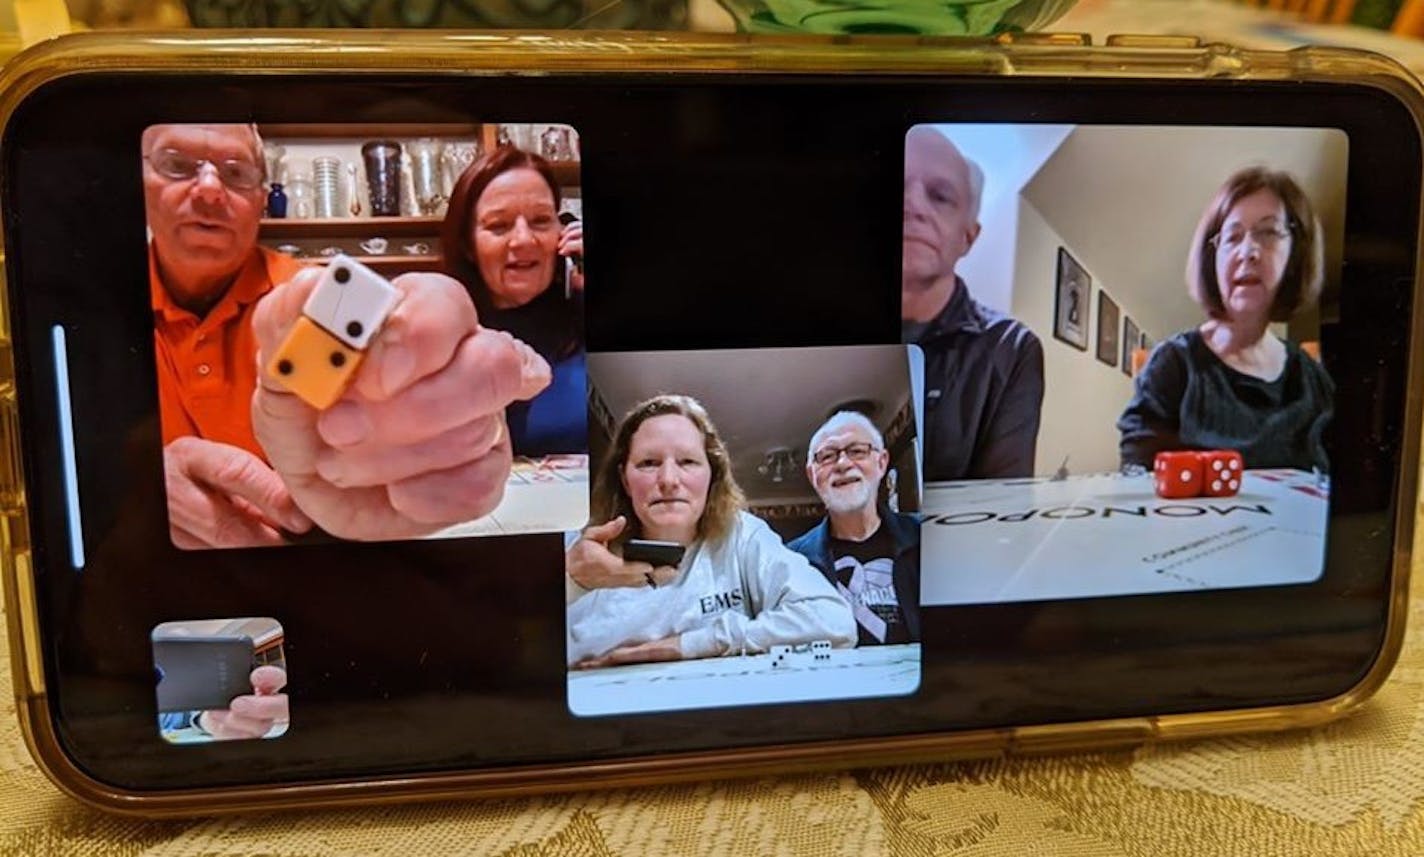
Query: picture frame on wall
x,y
1108,327
1070,304
1131,341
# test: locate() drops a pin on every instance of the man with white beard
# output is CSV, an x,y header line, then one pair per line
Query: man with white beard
x,y
869,553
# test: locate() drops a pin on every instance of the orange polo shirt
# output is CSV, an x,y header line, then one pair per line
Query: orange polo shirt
x,y
207,367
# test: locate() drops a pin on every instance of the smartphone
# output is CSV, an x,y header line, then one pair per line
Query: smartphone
x,y
653,552
200,673
574,262
926,275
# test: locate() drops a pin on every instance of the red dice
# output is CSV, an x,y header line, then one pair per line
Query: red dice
x,y
1178,474
1187,473
1221,472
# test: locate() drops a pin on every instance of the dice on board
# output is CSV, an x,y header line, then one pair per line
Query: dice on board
x,y
351,301
314,364
1221,472
1177,474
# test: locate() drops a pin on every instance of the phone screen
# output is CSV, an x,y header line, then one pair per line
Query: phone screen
x,y
894,358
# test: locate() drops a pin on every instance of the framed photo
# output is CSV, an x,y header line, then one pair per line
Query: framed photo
x,y
1107,329
1070,306
1131,341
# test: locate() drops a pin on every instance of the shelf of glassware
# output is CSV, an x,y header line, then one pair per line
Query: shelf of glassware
x,y
348,227
314,240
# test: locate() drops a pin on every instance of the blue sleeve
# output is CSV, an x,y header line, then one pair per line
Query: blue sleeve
x,y
170,721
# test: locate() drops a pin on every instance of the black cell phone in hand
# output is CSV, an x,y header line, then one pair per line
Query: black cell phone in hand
x,y
762,219
199,673
654,553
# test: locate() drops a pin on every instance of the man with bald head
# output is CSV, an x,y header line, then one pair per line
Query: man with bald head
x,y
417,443
983,369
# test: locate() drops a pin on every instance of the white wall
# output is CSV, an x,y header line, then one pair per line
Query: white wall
x,y
1083,396
1127,199
1124,201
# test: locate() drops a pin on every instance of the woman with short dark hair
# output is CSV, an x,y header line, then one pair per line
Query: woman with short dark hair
x,y
1229,383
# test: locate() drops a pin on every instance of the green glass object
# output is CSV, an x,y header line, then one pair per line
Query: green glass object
x,y
482,14
923,17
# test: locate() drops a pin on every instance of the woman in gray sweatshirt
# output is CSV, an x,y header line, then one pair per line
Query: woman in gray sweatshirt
x,y
737,590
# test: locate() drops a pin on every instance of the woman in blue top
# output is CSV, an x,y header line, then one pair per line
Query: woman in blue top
x,y
502,237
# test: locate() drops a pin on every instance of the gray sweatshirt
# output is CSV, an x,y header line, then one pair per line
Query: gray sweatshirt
x,y
746,593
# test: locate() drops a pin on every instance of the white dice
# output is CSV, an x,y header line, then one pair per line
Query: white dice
x,y
351,301
801,654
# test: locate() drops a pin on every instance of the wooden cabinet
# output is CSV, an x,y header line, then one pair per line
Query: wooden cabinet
x,y
390,245
412,243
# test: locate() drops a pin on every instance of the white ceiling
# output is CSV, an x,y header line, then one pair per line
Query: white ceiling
x,y
1126,200
761,399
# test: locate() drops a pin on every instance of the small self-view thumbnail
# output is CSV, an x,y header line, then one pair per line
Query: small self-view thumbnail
x,y
754,534
220,680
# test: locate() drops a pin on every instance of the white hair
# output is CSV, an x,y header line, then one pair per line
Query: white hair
x,y
973,171
840,420
976,184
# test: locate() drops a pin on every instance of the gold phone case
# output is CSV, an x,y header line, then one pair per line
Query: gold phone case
x,y
364,52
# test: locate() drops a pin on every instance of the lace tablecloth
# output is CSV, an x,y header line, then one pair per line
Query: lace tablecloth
x,y
1350,788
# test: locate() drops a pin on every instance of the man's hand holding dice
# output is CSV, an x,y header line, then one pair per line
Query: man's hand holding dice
x,y
418,442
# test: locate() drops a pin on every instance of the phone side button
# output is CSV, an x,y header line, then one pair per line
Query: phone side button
x,y
1143,40
30,682
1071,738
1062,40
12,485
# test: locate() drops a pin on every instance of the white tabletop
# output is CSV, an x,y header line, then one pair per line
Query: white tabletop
x,y
989,541
869,671
541,496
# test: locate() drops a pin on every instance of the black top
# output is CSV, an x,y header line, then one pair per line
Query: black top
x,y
873,599
983,391
1187,398
903,534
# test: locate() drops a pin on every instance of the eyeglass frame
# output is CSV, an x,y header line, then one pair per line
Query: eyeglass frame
x,y
1279,233
217,166
870,449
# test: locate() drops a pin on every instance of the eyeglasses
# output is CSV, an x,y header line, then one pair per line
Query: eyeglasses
x,y
1266,236
235,174
831,454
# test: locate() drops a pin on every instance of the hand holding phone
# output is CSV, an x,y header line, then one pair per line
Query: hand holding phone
x,y
656,553
592,565
419,441
200,672
571,248
251,715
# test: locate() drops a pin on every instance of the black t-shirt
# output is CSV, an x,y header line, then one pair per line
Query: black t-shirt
x,y
865,576
1187,398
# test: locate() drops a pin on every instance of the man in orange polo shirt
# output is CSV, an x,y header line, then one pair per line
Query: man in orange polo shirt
x,y
418,443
